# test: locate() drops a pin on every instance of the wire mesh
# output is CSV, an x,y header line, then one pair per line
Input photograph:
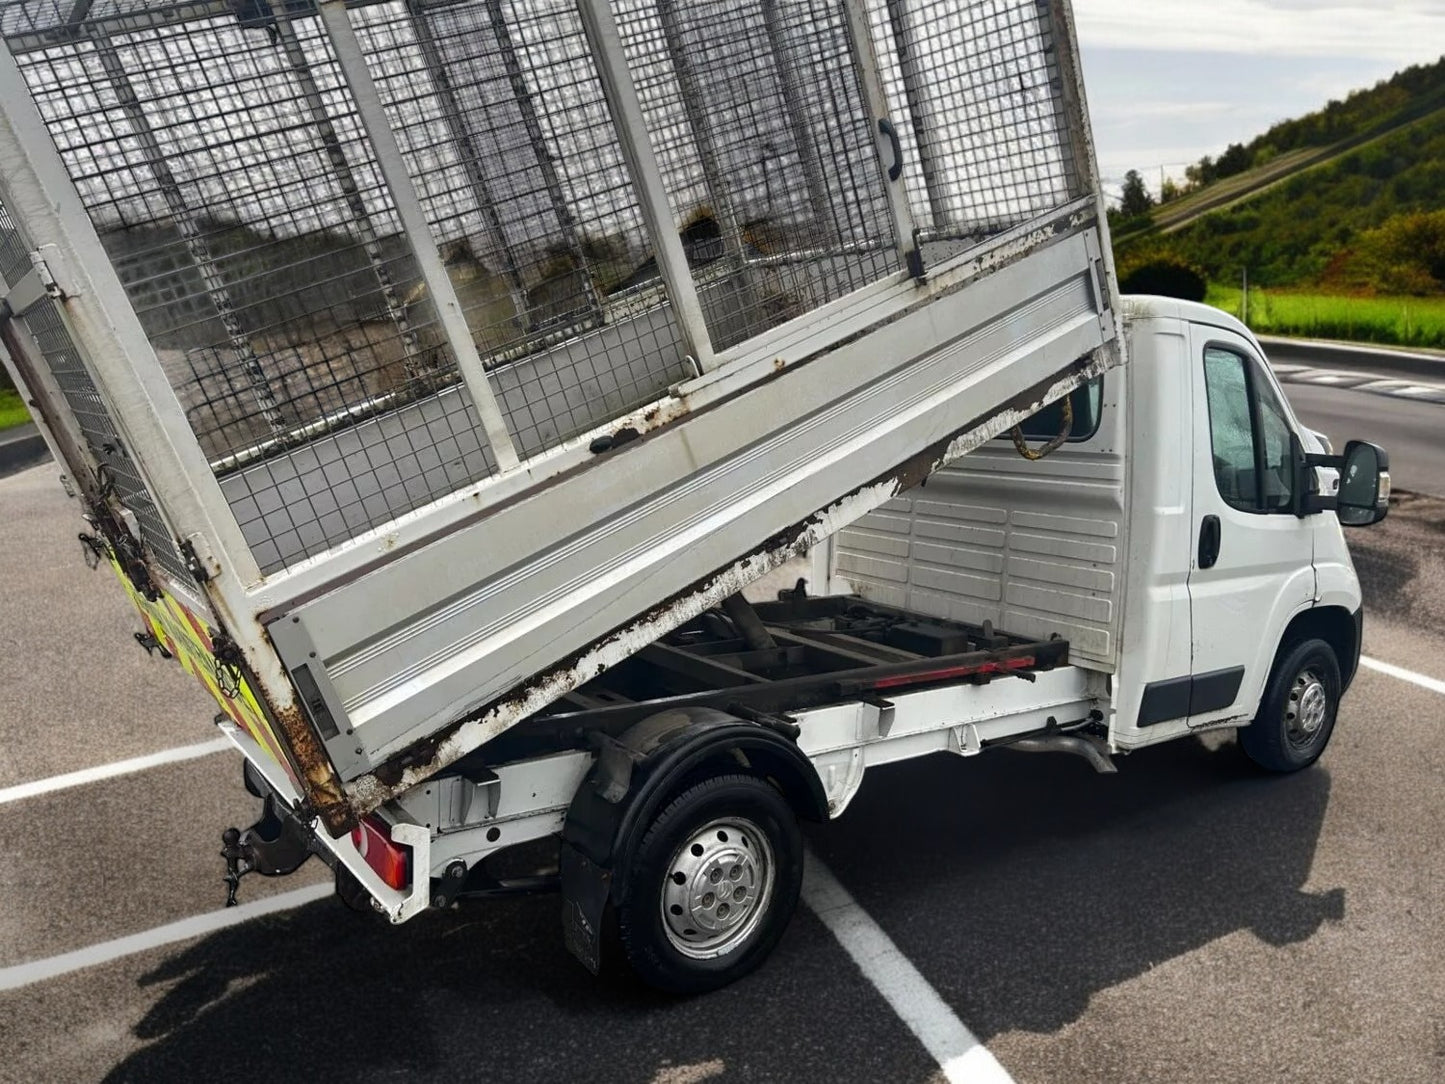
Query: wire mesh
x,y
56,350
232,185
502,120
978,101
221,156
757,120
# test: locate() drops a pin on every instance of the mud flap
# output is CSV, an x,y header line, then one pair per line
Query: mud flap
x,y
585,888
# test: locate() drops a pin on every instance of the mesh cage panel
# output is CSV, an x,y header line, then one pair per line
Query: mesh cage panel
x,y
502,121
757,118
229,178
56,351
978,101
223,161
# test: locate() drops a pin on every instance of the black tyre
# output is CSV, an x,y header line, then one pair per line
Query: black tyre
x,y
712,885
1297,715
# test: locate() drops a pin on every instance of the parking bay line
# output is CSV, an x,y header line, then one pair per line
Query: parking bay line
x,y
12,978
110,771
963,1059
1435,685
960,1055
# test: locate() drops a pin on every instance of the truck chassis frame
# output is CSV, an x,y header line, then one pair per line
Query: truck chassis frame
x,y
854,684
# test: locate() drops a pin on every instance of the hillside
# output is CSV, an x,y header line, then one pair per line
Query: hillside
x,y
1325,200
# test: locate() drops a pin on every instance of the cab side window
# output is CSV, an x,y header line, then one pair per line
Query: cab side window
x,y
1087,402
1249,433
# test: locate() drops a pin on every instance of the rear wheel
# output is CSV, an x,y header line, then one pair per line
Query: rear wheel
x,y
712,885
1297,714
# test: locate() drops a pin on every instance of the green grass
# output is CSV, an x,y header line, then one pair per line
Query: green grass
x,y
12,410
1391,321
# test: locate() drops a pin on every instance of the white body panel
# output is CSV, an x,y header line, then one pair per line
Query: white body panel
x,y
1156,640
1184,622
1264,574
1099,542
1036,548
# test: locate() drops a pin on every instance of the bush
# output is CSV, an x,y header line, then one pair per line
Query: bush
x,y
1404,255
1163,274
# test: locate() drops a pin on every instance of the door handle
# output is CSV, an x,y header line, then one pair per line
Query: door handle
x,y
1209,542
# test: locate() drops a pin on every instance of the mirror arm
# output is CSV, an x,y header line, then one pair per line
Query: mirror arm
x,y
1308,502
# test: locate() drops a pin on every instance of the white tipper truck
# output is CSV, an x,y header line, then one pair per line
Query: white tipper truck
x,y
435,374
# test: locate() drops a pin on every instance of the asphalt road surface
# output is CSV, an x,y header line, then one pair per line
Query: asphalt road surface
x,y
1184,920
1412,432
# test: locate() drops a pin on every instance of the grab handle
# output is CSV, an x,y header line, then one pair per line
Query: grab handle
x,y
886,127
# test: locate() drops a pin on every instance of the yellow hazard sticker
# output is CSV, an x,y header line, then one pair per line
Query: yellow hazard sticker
x,y
188,639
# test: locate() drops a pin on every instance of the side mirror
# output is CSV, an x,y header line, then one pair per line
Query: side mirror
x,y
1364,496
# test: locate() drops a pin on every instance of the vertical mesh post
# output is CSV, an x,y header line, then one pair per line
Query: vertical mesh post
x,y
412,359
1070,114
920,108
470,156
795,105
413,218
546,168
876,100
621,93
696,109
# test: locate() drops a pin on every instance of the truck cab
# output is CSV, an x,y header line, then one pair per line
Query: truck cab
x,y
1185,537
1253,563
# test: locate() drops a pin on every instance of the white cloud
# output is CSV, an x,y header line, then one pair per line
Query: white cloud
x,y
1400,31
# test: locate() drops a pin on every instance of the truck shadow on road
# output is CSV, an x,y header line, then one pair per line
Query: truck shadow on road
x,y
1020,885
1023,886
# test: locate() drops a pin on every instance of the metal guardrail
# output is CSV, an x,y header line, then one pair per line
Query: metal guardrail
x,y
21,448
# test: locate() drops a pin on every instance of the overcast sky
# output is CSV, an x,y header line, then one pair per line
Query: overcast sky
x,y
1171,80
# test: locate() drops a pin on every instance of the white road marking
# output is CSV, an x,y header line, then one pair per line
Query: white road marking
x,y
12,978
110,771
690,1074
1415,390
1435,685
962,1057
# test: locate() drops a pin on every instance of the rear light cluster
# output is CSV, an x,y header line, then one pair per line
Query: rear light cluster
x,y
391,861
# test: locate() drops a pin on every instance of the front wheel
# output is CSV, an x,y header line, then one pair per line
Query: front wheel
x,y
712,885
1297,715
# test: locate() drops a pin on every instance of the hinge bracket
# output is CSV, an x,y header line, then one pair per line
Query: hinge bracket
x,y
34,287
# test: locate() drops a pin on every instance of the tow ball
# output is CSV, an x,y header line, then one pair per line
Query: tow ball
x,y
274,846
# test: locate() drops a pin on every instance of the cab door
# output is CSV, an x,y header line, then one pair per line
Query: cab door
x,y
1253,564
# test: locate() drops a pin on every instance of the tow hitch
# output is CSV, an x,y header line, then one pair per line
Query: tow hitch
x,y
274,846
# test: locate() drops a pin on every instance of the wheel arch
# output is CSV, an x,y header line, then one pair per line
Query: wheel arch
x,y
1336,626
633,779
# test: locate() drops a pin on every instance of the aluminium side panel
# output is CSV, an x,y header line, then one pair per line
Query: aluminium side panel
x,y
480,628
1037,547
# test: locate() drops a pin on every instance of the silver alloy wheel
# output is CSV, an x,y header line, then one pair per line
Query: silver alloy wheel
x,y
718,886
1306,708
